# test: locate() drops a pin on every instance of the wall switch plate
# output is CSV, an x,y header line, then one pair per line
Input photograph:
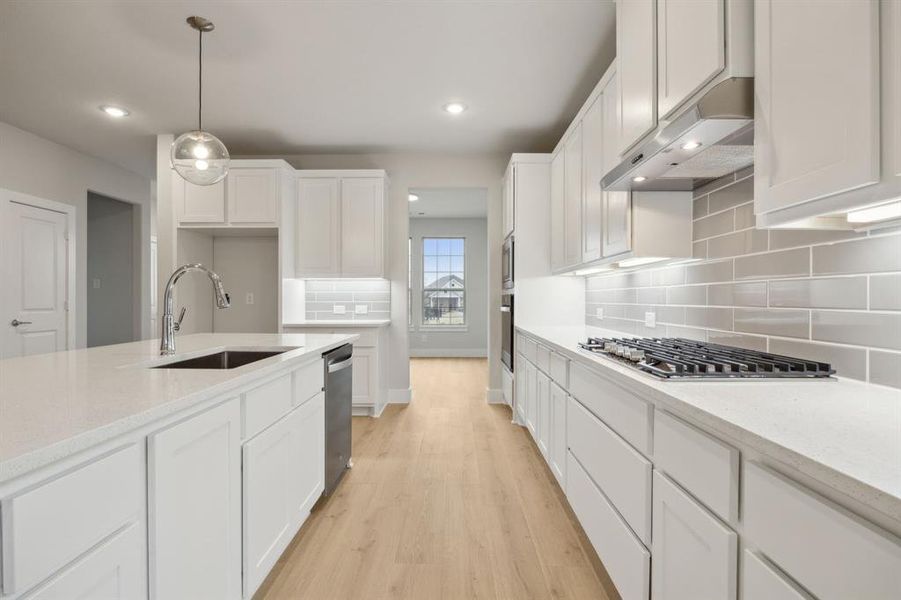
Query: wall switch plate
x,y
599,312
361,309
248,299
650,319
338,309
96,283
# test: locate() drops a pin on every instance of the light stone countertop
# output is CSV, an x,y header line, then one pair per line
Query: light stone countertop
x,y
338,323
843,433
54,405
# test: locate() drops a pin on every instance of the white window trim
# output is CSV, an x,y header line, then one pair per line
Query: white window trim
x,y
449,328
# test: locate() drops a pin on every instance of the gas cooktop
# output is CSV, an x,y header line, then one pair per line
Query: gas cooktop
x,y
678,358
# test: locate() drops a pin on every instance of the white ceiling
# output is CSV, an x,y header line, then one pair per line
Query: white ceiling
x,y
303,77
449,203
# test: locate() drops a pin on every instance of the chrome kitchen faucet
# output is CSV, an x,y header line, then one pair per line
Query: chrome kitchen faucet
x,y
170,325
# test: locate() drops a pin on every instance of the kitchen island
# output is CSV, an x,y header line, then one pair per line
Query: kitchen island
x,y
154,481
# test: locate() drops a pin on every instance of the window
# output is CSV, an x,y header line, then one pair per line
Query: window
x,y
443,282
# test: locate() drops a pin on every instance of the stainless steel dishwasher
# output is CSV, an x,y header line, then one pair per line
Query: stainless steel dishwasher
x,y
338,404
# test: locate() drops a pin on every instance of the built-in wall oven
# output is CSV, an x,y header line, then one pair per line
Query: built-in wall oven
x,y
507,263
507,335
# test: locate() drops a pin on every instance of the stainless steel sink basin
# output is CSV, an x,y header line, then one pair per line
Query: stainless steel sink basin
x,y
228,359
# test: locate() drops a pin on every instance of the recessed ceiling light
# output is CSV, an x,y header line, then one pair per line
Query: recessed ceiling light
x,y
639,178
412,197
114,111
691,145
454,108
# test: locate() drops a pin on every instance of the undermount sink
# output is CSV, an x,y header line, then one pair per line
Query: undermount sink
x,y
227,359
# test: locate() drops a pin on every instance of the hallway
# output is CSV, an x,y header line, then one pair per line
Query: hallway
x,y
446,499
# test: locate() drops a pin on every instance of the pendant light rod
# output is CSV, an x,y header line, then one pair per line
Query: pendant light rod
x,y
202,26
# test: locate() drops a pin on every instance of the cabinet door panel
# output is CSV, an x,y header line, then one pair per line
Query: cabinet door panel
x,y
544,413
318,227
592,172
617,222
695,556
509,200
814,138
531,398
365,369
202,203
636,57
691,49
253,196
558,434
572,211
195,506
558,193
362,226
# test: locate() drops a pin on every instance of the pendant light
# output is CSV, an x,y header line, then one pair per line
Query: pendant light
x,y
199,156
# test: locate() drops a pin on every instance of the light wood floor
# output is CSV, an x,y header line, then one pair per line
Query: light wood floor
x,y
447,499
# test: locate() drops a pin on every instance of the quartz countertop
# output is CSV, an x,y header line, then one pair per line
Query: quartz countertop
x,y
843,433
54,405
337,323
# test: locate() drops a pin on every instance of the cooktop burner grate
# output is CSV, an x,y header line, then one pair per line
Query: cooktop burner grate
x,y
677,358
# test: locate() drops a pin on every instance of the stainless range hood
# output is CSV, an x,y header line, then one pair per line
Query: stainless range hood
x,y
713,138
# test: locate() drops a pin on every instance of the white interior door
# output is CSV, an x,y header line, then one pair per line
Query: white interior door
x,y
34,269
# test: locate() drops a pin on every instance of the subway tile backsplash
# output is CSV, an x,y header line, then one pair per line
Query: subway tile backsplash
x,y
322,295
833,296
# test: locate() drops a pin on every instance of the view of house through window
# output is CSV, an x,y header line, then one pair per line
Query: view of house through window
x,y
443,281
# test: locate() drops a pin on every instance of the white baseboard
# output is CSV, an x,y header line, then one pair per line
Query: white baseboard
x,y
378,410
400,396
448,353
494,396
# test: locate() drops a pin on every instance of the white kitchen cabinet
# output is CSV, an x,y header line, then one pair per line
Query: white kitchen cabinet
x,y
557,447
822,148
253,196
340,224
532,399
364,381
572,197
760,581
199,203
543,410
509,199
592,172
691,49
694,554
283,477
558,212
617,223
519,389
636,57
194,505
362,226
114,570
318,227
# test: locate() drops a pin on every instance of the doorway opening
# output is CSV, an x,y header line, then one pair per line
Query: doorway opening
x,y
111,271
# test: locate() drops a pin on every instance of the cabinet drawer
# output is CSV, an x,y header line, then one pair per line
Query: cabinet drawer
x,y
266,404
827,550
623,474
529,349
559,370
705,466
52,524
543,358
627,561
760,580
624,412
308,381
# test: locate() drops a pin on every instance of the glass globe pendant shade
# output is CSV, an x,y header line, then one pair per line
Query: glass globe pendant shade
x,y
199,157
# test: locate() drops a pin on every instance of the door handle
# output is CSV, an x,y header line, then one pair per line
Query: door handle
x,y
505,309
17,322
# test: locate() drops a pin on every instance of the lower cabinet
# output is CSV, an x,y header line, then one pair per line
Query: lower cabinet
x,y
365,383
557,450
695,555
531,404
543,410
115,570
283,478
760,580
194,504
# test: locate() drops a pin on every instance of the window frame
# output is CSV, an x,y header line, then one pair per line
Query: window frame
x,y
423,289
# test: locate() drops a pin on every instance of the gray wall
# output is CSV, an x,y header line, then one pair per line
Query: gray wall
x,y
110,270
833,296
472,340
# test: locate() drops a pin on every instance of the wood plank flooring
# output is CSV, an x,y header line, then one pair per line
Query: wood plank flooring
x,y
447,499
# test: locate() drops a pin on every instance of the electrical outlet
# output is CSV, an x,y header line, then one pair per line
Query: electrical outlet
x,y
338,309
650,319
599,312
248,299
96,283
361,309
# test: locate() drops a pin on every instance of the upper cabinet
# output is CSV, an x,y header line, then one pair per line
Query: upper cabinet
x,y
509,200
572,197
340,223
557,211
592,171
636,53
691,49
251,195
827,140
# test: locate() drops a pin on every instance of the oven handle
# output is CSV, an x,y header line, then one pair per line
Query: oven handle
x,y
505,309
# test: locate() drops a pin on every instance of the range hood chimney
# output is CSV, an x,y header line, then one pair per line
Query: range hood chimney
x,y
713,138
